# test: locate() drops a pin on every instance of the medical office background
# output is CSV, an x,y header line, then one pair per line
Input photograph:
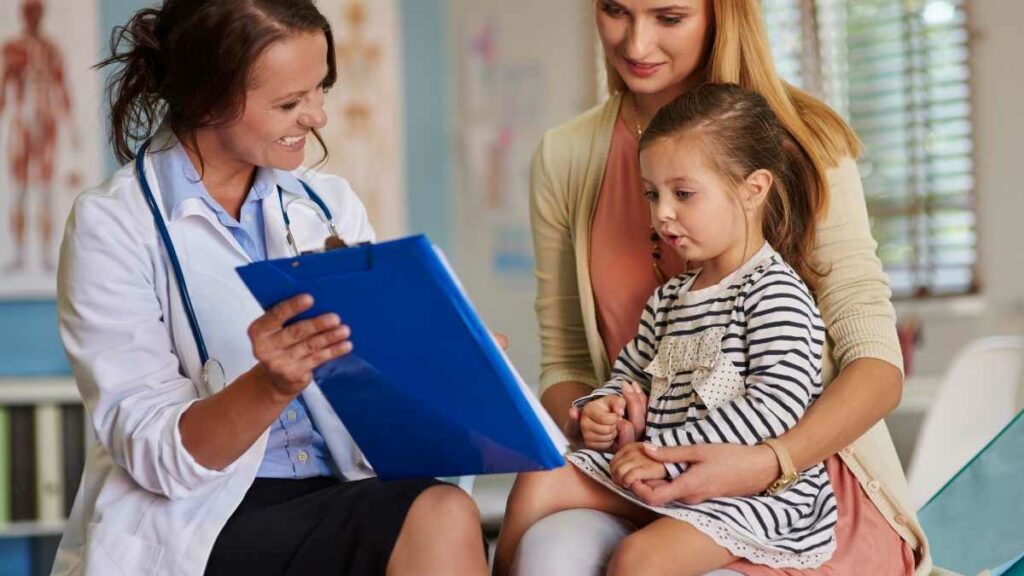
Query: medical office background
x,y
441,103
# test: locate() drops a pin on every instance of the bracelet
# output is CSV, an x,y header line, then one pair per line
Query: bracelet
x,y
787,476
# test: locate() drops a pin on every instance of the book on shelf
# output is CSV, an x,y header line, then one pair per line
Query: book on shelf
x,y
42,457
5,468
73,416
49,466
24,504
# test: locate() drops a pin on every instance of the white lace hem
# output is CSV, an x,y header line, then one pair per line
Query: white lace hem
x,y
723,535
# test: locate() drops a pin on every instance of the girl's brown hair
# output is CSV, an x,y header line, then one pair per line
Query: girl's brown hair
x,y
740,54
740,133
189,63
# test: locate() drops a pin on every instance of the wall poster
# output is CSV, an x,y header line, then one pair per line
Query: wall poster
x,y
51,139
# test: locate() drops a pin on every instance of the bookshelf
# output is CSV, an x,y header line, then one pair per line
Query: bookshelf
x,y
29,391
43,426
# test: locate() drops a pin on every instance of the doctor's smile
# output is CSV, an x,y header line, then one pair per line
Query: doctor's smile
x,y
293,142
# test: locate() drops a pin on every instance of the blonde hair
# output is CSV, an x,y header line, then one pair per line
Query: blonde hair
x,y
740,54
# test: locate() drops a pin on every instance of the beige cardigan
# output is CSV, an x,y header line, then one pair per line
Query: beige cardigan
x,y
853,297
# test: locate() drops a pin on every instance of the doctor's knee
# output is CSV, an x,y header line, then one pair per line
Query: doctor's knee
x,y
445,508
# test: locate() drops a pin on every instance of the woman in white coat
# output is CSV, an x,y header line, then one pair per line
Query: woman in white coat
x,y
216,451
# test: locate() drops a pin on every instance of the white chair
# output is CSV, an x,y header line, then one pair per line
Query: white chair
x,y
978,396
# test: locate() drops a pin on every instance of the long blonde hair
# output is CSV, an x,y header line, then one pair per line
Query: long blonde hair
x,y
740,54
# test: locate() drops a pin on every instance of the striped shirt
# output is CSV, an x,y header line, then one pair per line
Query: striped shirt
x,y
737,362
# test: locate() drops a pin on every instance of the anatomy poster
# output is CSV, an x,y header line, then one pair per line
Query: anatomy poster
x,y
364,110
51,140
504,116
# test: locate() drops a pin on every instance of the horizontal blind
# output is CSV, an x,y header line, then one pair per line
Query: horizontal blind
x,y
897,70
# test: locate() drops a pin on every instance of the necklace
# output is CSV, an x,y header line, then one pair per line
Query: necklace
x,y
655,239
636,118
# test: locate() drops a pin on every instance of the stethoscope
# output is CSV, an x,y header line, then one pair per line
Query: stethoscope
x,y
213,371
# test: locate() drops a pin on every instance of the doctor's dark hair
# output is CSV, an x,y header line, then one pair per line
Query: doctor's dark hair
x,y
189,63
738,134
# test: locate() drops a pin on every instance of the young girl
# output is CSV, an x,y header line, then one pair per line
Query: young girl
x,y
729,353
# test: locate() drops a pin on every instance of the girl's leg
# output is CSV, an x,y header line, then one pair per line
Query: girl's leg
x,y
578,542
668,547
441,535
537,495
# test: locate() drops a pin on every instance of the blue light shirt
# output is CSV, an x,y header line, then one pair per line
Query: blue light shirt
x,y
295,448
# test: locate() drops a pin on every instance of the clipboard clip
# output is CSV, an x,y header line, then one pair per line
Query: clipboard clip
x,y
334,242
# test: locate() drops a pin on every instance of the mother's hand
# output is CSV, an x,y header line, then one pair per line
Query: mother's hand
x,y
713,471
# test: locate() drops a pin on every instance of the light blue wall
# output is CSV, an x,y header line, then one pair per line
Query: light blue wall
x,y
426,78
29,343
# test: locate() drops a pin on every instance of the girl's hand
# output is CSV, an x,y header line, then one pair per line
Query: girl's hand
x,y
714,471
571,429
599,421
631,465
501,340
286,356
631,428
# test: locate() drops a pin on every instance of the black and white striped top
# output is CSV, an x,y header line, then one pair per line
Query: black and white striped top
x,y
737,362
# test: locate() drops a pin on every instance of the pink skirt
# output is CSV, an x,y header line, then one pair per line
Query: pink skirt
x,y
865,542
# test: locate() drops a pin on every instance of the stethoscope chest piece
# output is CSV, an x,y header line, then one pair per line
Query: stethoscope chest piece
x,y
213,376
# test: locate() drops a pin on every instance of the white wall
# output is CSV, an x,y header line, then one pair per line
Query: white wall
x,y
998,102
551,43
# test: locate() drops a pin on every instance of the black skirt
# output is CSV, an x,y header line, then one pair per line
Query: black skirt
x,y
314,526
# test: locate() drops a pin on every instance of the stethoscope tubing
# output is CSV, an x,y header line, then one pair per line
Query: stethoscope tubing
x,y
165,236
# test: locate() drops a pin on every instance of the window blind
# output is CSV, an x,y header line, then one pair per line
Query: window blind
x,y
898,71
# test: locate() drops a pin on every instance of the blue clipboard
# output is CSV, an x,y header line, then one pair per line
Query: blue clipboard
x,y
426,391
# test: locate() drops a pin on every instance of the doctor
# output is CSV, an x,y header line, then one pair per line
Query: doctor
x,y
216,451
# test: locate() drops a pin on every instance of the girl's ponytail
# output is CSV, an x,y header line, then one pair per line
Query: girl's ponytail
x,y
790,212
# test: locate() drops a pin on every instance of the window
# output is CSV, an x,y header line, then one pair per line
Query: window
x,y
897,70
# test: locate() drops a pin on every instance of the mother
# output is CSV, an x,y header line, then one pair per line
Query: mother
x,y
596,264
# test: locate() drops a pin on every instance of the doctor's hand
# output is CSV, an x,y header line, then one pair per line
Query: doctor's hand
x,y
288,355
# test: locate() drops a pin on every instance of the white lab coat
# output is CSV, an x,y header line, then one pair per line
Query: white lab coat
x,y
145,507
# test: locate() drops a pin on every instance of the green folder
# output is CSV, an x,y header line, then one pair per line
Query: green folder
x,y
976,522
